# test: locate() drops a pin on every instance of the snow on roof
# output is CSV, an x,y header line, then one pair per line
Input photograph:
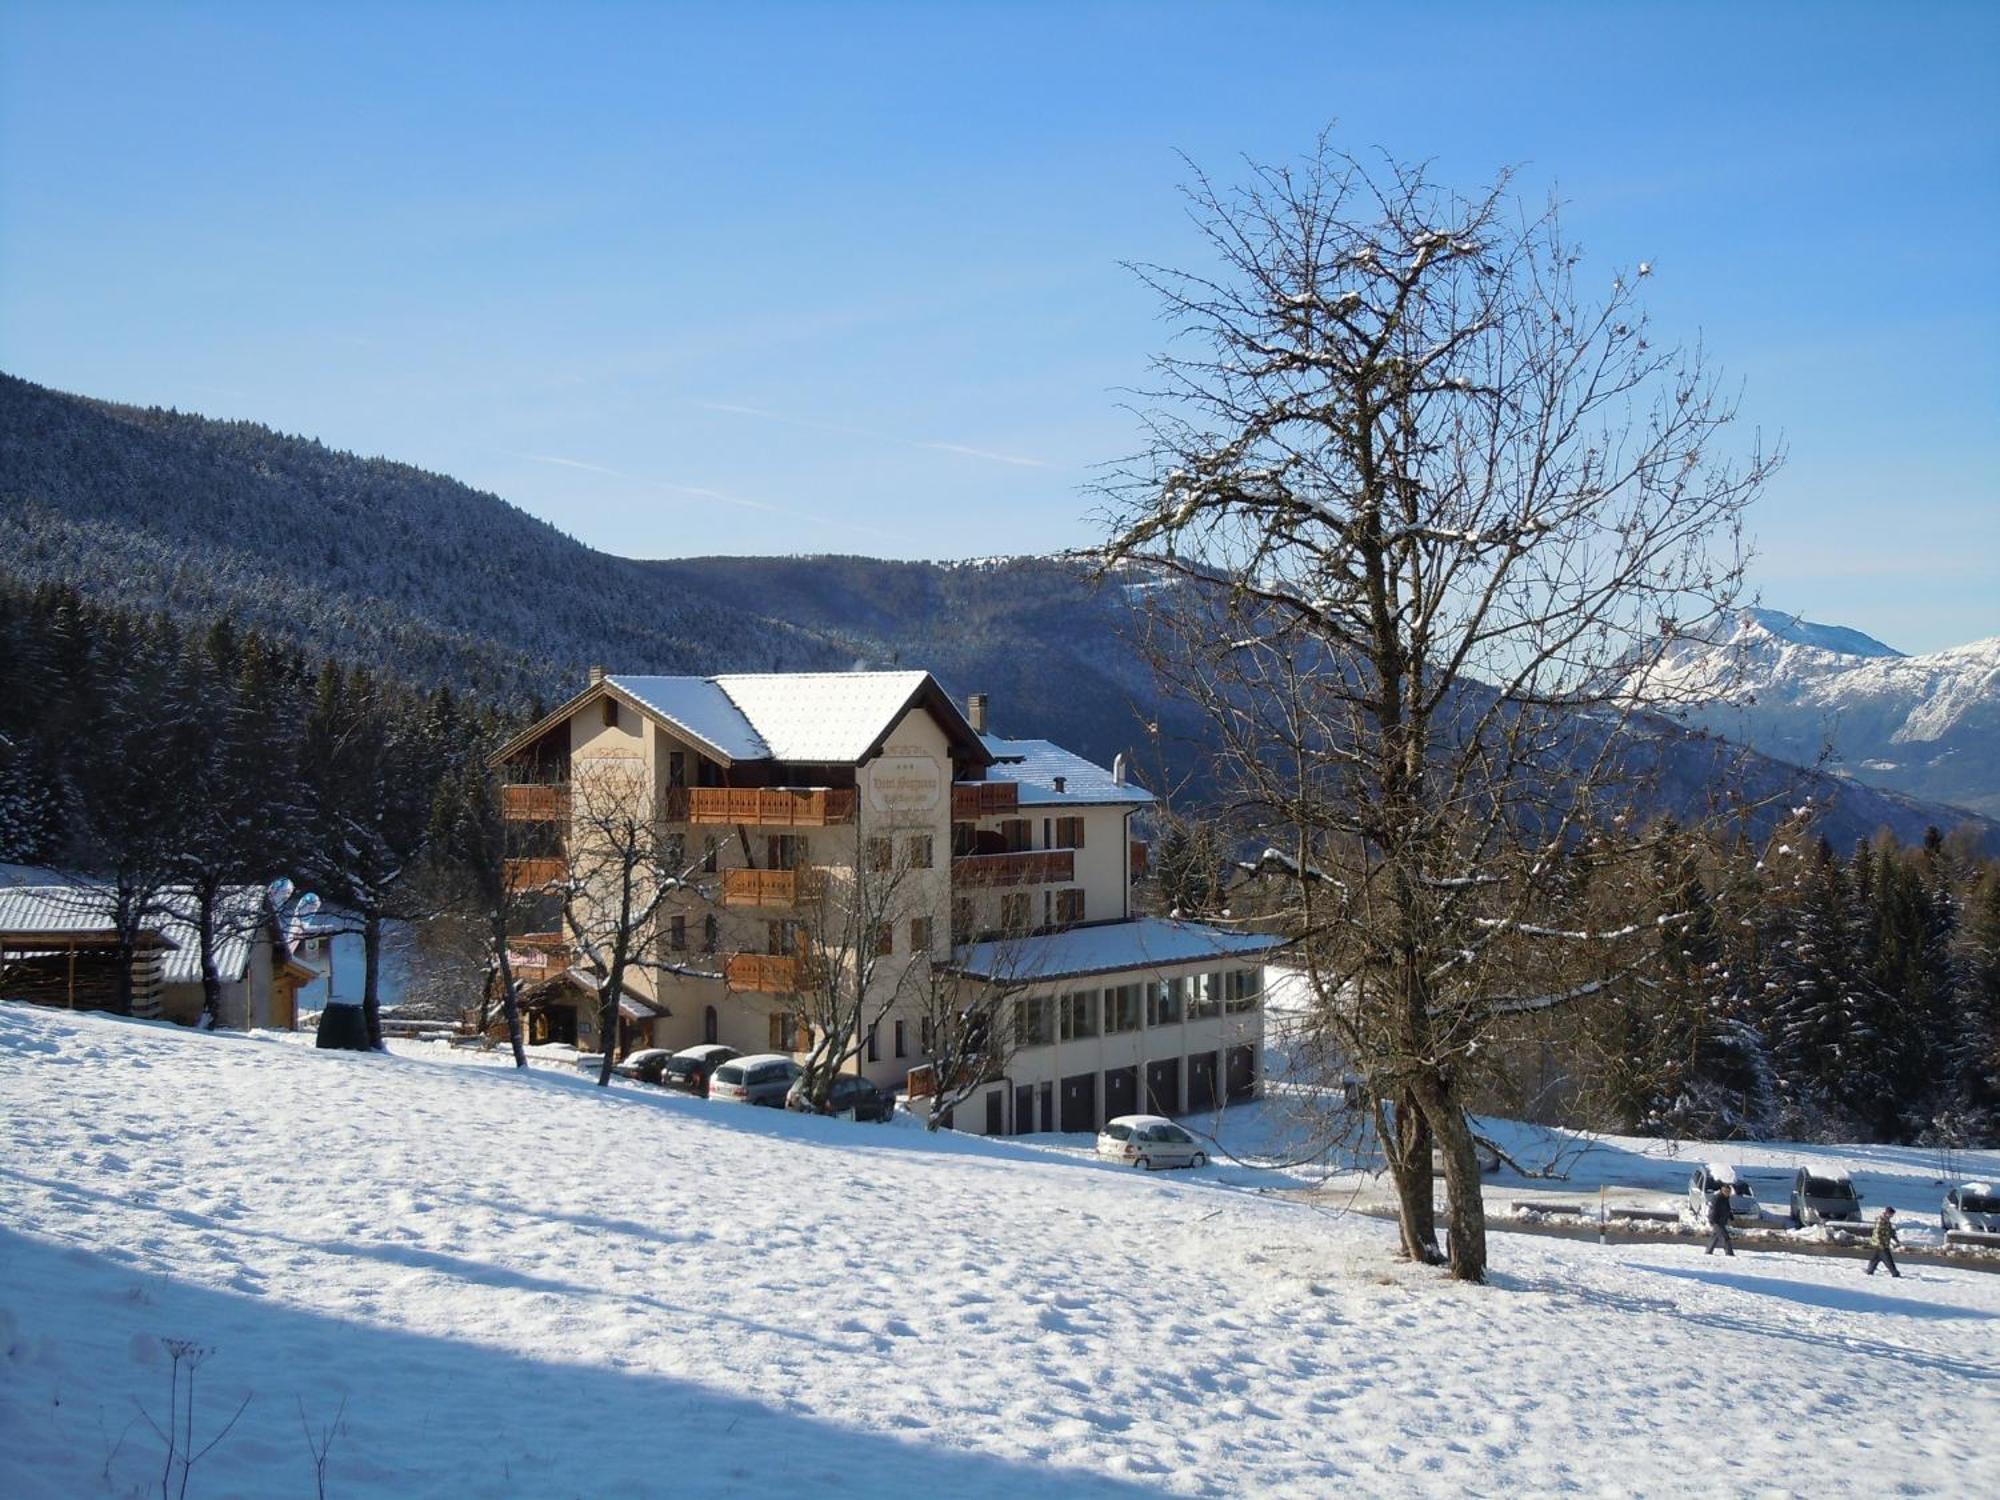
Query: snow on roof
x,y
81,908
699,706
1111,947
824,717
1034,765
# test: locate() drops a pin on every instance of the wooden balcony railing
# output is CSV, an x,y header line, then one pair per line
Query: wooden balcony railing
x,y
765,887
538,955
767,973
534,874
984,799
1028,867
535,803
769,807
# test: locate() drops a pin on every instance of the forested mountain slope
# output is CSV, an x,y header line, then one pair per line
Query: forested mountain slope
x,y
376,562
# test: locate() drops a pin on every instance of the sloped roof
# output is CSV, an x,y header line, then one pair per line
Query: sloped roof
x,y
1112,947
80,909
1034,765
831,717
699,706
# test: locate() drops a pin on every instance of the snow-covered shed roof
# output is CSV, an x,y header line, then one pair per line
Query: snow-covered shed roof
x,y
1108,948
85,909
1035,765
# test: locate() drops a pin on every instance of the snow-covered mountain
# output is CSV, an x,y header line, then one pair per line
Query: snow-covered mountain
x,y
1927,725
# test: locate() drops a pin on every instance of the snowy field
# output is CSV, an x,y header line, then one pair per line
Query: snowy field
x,y
754,1303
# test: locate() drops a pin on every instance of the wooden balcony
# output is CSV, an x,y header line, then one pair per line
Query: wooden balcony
x,y
984,799
534,874
536,956
767,973
766,887
767,807
545,803
1028,867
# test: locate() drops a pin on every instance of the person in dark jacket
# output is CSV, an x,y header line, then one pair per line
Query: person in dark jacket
x,y
1718,1221
1885,1236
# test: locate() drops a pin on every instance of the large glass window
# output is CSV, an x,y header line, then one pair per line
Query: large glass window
x,y
1164,1001
1079,1015
1034,1021
1121,1009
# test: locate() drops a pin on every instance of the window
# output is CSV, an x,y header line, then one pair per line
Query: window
x,y
781,1032
677,768
1016,835
1079,1015
881,939
1068,908
1207,999
610,714
920,934
711,933
961,919
1121,1009
902,1039
677,933
1014,913
1069,833
786,939
1164,1002
1034,1021
924,1034
677,853
874,1044
964,839
917,851
1243,988
785,851
708,852
880,855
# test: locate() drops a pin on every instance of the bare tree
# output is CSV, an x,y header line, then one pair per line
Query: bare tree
x,y
621,869
965,1033
1433,508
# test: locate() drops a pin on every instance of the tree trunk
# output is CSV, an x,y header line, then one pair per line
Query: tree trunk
x,y
1466,1202
211,981
1407,1149
510,1007
607,1018
371,975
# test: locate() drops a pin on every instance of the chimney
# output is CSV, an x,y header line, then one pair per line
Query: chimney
x,y
975,712
1118,768
1059,783
596,676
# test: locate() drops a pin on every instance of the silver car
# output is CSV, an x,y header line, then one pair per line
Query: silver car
x,y
1150,1142
1972,1207
1824,1197
762,1078
1721,1177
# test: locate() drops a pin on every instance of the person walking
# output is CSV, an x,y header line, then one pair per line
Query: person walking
x,y
1718,1221
1885,1236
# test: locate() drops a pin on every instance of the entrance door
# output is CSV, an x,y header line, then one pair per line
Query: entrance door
x,y
1079,1103
1200,1082
1121,1092
1242,1073
1024,1108
1163,1086
710,1025
995,1112
1045,1101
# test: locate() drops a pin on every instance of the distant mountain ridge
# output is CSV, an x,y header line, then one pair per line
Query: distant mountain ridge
x,y
412,572
1926,726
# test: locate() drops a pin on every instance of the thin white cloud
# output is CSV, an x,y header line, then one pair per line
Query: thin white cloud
x,y
704,492
843,430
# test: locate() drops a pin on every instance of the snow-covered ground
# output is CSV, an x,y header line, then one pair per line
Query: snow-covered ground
x,y
747,1302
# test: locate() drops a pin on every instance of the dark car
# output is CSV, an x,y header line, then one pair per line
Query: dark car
x,y
692,1067
1824,1198
643,1065
852,1095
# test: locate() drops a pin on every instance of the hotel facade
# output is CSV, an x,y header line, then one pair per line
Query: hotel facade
x,y
1012,863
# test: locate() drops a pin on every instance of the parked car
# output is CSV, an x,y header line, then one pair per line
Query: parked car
x,y
1149,1142
1973,1207
644,1065
1719,1176
692,1067
1824,1197
851,1095
762,1078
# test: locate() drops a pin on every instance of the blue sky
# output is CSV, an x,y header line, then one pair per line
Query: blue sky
x,y
846,278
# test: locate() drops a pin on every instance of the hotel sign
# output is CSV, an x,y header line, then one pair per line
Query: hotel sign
x,y
905,780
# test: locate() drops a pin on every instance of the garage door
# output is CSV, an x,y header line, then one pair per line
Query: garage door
x,y
1163,1087
1121,1092
1079,1103
1242,1073
996,1111
1024,1109
1201,1082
